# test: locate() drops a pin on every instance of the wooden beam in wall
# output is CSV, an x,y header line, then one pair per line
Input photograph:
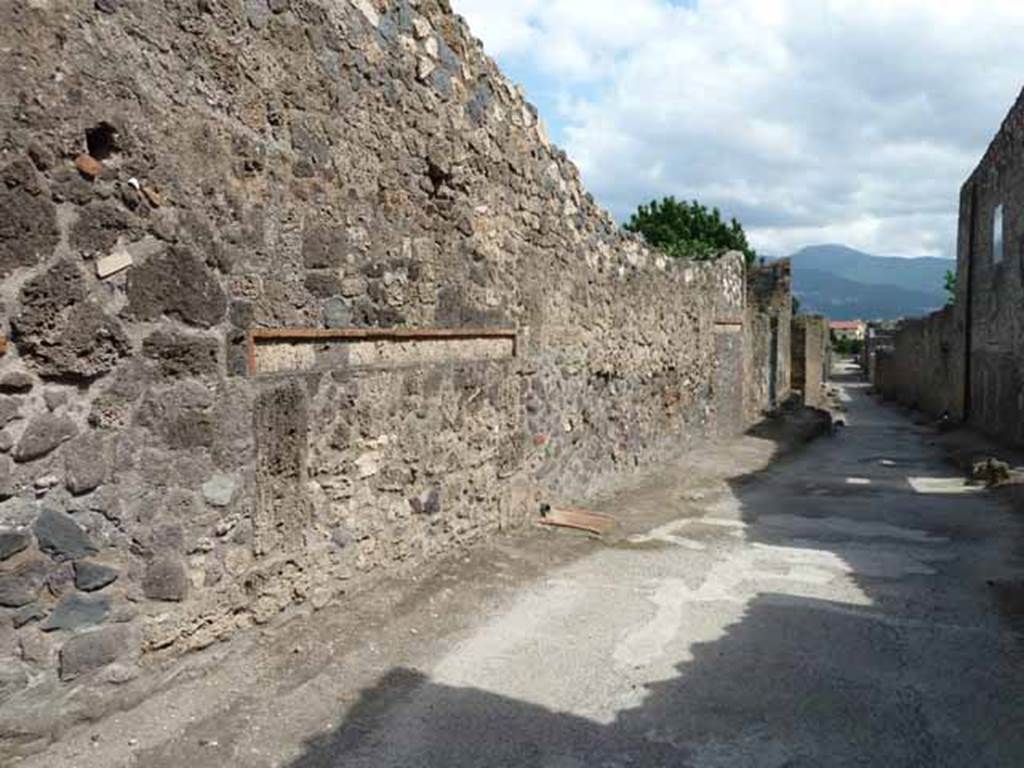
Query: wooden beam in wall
x,y
327,335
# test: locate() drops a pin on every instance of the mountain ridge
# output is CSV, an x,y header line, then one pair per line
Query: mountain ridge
x,y
846,284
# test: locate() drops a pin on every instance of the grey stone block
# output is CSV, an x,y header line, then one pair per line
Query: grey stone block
x,y
61,537
179,354
28,219
90,577
21,586
76,612
6,478
16,382
93,650
219,490
13,678
13,542
62,332
337,313
176,284
28,614
166,580
43,435
10,408
85,459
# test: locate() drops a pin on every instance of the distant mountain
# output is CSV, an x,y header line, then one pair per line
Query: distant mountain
x,y
846,284
841,299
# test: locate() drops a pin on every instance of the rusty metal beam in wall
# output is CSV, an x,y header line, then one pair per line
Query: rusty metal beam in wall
x,y
264,336
729,325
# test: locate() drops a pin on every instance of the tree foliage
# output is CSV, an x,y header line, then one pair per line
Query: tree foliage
x,y
689,230
950,287
845,346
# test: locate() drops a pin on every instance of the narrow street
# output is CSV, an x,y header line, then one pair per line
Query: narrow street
x,y
852,604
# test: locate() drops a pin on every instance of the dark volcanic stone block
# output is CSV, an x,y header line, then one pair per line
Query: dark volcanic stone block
x,y
166,580
61,537
93,650
90,577
28,219
20,587
76,612
176,284
183,355
61,332
13,542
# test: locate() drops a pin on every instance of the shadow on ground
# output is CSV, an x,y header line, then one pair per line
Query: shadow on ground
x,y
921,667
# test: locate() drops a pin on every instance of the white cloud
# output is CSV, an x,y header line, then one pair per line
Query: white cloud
x,y
811,120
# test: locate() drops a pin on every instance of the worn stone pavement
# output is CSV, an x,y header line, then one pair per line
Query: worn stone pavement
x,y
851,604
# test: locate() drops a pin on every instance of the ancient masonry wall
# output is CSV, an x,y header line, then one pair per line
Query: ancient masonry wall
x,y
768,320
811,358
920,369
990,303
968,361
179,181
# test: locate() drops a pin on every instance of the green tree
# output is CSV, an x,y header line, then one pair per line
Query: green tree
x,y
950,287
689,230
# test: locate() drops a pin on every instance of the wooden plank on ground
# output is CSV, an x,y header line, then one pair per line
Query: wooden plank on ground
x,y
578,519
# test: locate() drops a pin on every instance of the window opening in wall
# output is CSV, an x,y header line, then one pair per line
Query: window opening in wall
x,y
997,235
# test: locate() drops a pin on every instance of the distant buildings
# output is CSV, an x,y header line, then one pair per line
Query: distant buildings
x,y
848,330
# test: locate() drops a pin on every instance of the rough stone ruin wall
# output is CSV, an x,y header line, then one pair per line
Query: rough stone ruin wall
x,y
996,283
972,354
811,359
177,175
921,368
768,321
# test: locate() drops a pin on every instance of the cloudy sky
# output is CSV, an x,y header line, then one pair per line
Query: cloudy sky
x,y
812,121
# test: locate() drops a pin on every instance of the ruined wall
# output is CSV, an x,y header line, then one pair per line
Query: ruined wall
x,y
176,175
991,282
921,368
969,360
880,336
769,320
811,358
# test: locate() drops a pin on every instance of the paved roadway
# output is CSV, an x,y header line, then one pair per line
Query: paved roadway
x,y
850,607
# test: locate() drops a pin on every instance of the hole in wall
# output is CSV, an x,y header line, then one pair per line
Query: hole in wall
x,y
101,141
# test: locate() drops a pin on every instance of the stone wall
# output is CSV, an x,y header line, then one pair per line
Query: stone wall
x,y
769,320
176,176
920,369
991,284
880,336
968,361
811,358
